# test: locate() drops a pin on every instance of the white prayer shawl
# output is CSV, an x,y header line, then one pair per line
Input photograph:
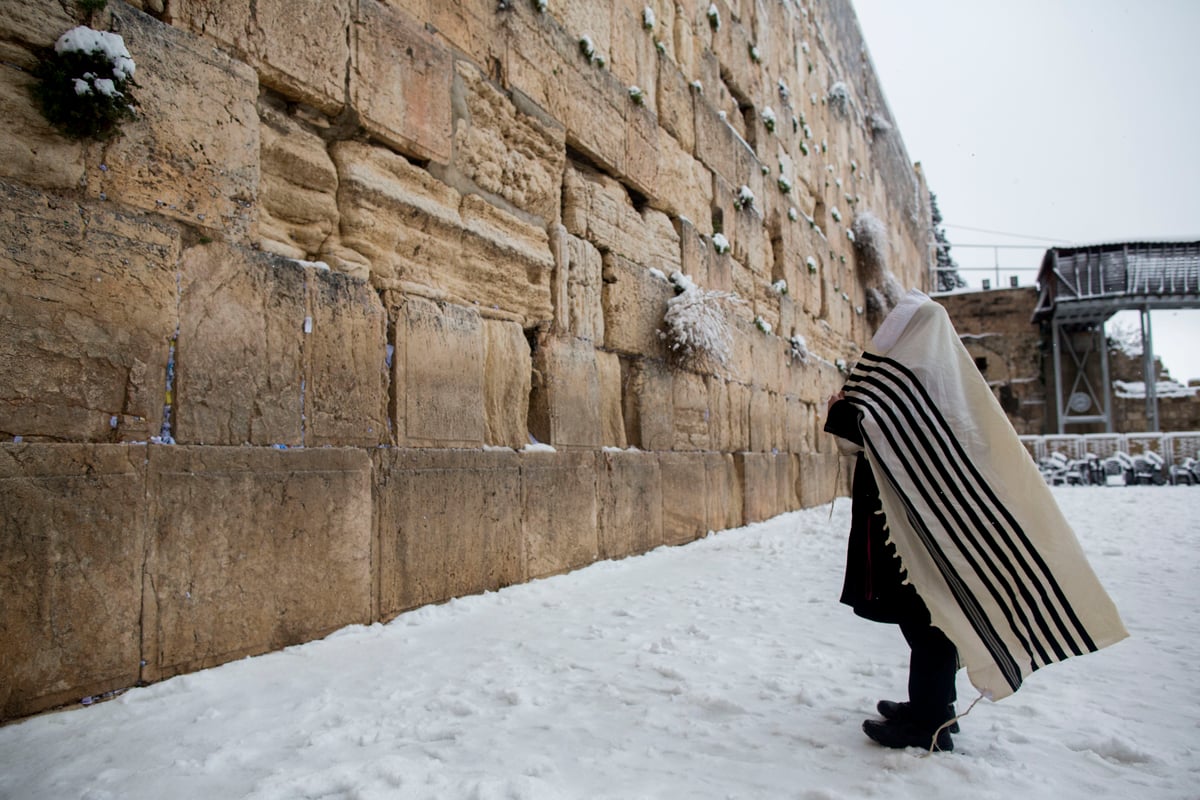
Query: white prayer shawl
x,y
973,522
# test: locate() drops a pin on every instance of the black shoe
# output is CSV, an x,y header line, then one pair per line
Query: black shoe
x,y
890,709
897,734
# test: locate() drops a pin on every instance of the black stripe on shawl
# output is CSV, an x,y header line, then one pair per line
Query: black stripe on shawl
x,y
1047,579
966,600
958,530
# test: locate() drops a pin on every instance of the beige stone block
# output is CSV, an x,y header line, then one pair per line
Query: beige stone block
x,y
682,185
298,191
560,522
401,81
419,235
760,486
739,416
724,490
239,369
612,417
577,287
798,425
696,254
511,155
762,421
449,524
438,372
31,152
345,353
35,24
719,433
299,49
470,26
564,405
88,299
649,405
641,164
634,56
543,62
507,383
768,354
72,534
731,45
787,495
173,159
685,512
630,503
820,478
720,148
691,412
634,302
241,561
675,112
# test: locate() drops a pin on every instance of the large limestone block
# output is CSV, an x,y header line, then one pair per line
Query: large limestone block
x,y
820,478
239,370
88,303
642,155
504,152
400,82
675,112
438,366
682,185
720,148
765,423
576,287
739,416
300,49
193,153
558,496
31,152
72,530
760,486
649,408
345,354
543,62
612,414
598,208
240,558
565,404
634,56
449,524
507,376
298,191
787,494
685,508
634,302
724,489
629,497
471,26
35,24
417,234
720,435
691,412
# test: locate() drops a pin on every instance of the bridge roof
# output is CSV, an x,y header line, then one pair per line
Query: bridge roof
x,y
1087,284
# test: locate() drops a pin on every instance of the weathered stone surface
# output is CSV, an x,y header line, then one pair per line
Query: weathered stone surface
x,y
819,478
634,302
577,288
630,502
298,49
449,524
682,186
612,415
690,412
722,150
723,491
675,112
507,382
649,405
438,369
759,484
87,296
298,189
739,416
419,235
634,57
684,519
345,354
558,495
72,529
34,24
243,555
239,367
400,82
506,153
31,152
565,404
175,159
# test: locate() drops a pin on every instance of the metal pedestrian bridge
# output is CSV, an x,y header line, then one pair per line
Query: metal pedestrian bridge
x,y
1080,288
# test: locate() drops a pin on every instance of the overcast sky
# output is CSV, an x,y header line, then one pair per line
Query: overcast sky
x,y
1043,122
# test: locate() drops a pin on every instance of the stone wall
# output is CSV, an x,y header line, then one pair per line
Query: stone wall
x,y
274,359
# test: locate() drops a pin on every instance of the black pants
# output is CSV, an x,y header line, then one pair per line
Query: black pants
x,y
931,669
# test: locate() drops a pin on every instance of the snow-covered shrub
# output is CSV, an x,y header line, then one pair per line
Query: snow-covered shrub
x,y
714,17
744,198
696,325
755,56
839,97
762,325
698,87
648,20
720,243
879,124
541,5
803,147
798,349
837,215
779,286
637,95
587,47
785,94
811,263
785,185
793,214
871,245
768,118
84,83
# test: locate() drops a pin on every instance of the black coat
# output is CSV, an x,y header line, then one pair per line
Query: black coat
x,y
873,585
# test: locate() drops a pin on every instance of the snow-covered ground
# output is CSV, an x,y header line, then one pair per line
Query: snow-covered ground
x,y
723,669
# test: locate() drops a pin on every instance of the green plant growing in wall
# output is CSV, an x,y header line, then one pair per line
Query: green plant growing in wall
x,y
714,17
648,20
84,84
637,95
